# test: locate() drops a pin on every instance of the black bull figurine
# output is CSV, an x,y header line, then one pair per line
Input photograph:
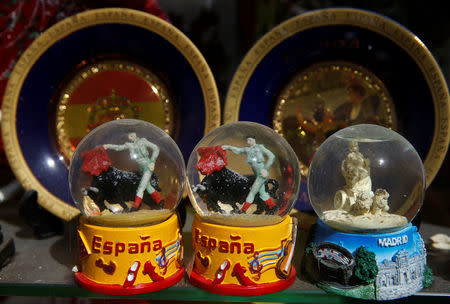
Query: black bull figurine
x,y
230,187
118,187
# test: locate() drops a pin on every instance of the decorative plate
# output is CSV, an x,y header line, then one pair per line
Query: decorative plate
x,y
94,67
324,70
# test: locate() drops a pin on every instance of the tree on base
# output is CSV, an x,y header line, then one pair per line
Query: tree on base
x,y
366,268
427,277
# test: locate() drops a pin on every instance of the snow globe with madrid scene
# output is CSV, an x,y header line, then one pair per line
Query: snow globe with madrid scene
x,y
366,183
243,180
127,177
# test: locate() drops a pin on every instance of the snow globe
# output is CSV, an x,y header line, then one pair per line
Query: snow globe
x,y
243,180
366,183
127,177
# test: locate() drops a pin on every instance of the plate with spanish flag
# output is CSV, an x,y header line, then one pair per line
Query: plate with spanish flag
x,y
94,67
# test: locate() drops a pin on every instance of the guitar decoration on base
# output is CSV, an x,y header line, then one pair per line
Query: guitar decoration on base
x,y
243,181
127,177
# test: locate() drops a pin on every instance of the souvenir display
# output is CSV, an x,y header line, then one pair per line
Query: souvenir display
x,y
243,181
366,183
79,74
328,69
127,177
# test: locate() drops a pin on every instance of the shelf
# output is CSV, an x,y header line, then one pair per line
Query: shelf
x,y
43,268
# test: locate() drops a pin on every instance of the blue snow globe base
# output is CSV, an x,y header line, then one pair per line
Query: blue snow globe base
x,y
366,183
400,259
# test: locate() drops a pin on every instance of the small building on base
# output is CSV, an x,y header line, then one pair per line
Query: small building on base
x,y
402,276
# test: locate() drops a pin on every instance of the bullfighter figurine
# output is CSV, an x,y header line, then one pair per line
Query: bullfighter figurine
x,y
139,152
255,157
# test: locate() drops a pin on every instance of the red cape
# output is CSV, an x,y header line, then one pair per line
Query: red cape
x,y
211,159
95,161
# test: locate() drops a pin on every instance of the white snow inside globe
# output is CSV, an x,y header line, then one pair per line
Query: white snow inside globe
x,y
243,174
366,179
127,173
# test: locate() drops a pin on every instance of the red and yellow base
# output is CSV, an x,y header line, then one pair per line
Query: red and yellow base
x,y
243,261
129,260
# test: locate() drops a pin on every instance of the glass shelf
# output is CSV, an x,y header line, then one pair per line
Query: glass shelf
x,y
42,268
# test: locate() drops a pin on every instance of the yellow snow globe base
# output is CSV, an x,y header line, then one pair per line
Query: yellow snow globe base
x,y
129,260
243,261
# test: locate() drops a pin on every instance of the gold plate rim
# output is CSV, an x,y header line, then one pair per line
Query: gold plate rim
x,y
57,32
409,42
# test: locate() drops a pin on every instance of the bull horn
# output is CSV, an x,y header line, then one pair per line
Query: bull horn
x,y
94,189
198,186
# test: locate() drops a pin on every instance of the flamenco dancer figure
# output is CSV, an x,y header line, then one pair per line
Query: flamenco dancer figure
x,y
255,157
138,148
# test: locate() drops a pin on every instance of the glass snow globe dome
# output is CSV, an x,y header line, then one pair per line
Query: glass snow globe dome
x,y
243,174
127,172
366,179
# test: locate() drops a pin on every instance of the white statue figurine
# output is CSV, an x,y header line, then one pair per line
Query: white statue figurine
x,y
356,171
356,206
380,202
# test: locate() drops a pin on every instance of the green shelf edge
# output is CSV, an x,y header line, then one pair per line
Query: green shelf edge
x,y
190,294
